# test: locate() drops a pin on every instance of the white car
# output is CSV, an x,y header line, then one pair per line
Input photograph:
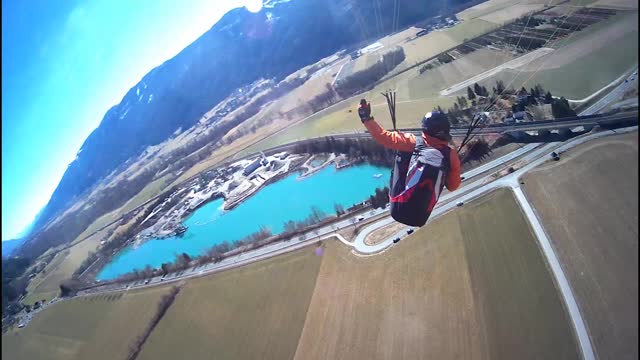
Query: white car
x,y
459,203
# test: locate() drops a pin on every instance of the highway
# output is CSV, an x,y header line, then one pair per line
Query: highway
x,y
491,129
613,95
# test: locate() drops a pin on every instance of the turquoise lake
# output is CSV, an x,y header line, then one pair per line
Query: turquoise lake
x,y
272,206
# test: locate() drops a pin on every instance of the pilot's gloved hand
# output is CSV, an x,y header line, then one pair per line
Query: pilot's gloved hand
x,y
364,110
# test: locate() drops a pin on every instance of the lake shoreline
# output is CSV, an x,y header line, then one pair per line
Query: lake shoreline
x,y
357,184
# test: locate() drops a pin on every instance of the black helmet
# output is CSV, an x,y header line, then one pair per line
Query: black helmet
x,y
436,124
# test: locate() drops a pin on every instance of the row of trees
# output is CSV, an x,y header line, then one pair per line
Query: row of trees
x,y
315,217
425,67
14,282
533,97
476,150
184,261
214,254
163,305
477,90
380,198
363,148
362,80
561,108
88,261
445,58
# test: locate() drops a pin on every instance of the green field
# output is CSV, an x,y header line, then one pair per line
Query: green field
x,y
409,114
46,285
588,204
97,224
254,312
152,189
101,327
431,82
571,80
435,42
586,63
469,29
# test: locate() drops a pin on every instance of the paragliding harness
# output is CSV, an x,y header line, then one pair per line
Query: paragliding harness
x,y
417,177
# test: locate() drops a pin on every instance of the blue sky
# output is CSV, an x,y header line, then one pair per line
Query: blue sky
x,y
64,64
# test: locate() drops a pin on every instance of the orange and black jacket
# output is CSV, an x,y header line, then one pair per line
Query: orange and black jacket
x,y
406,142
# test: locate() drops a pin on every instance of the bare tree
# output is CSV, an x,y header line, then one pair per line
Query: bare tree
x,y
353,221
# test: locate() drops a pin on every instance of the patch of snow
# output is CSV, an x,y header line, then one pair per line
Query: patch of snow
x,y
125,113
269,4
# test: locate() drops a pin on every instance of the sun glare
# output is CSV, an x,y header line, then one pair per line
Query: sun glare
x,y
253,5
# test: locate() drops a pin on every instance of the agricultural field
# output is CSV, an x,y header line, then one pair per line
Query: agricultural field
x,y
610,47
419,93
431,82
152,189
435,42
510,13
472,284
588,204
46,285
341,120
253,312
499,7
98,327
399,37
521,306
617,4
426,46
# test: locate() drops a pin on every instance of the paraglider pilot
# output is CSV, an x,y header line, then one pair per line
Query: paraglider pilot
x,y
423,165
